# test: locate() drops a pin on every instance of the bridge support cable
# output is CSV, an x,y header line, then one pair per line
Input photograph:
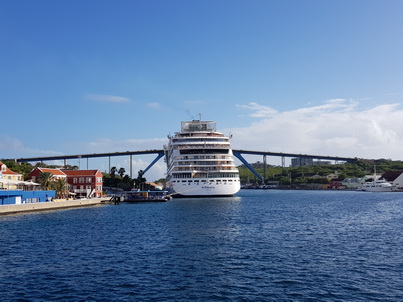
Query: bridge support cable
x,y
243,160
160,154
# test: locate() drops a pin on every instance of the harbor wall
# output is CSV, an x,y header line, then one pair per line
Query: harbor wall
x,y
46,206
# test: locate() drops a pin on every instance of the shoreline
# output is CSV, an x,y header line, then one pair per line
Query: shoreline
x,y
49,206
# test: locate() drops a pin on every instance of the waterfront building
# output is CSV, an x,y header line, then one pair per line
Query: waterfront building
x,y
14,190
57,174
336,184
352,183
9,197
84,183
9,180
395,178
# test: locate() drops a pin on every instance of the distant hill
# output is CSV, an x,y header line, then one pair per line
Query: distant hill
x,y
359,168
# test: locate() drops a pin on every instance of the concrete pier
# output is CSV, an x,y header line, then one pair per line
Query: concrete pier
x,y
49,206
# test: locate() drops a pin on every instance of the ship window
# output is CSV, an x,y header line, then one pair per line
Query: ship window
x,y
183,180
190,180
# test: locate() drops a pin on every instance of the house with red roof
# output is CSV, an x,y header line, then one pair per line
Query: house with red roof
x,y
336,184
9,179
85,183
57,173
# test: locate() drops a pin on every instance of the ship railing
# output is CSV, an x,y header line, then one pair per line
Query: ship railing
x,y
203,146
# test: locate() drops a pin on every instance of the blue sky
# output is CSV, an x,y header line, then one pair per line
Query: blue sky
x,y
317,77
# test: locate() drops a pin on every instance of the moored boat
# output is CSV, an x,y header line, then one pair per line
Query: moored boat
x,y
377,184
141,196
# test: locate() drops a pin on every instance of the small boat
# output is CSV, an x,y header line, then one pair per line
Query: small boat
x,y
377,185
142,196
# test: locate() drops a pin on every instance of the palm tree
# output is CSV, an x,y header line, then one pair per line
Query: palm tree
x,y
121,172
60,186
45,179
113,171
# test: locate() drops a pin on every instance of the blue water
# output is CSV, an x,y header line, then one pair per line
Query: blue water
x,y
257,246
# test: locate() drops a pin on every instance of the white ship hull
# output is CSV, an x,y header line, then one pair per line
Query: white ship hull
x,y
201,189
377,189
200,162
377,186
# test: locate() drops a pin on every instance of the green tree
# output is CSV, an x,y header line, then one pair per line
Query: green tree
x,y
21,168
121,172
60,186
140,181
113,171
45,180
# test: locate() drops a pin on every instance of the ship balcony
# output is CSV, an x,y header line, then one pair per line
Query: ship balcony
x,y
206,163
205,169
202,158
203,146
198,134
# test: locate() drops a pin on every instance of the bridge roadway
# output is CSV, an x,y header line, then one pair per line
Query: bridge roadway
x,y
160,153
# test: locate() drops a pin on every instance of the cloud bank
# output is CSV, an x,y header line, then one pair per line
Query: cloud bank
x,y
337,128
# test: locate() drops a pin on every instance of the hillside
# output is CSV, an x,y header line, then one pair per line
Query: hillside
x,y
318,173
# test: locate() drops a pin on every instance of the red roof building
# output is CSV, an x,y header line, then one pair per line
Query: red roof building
x,y
336,184
35,173
85,183
9,177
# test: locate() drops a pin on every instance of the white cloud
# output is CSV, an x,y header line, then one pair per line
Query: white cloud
x,y
335,128
12,148
110,145
259,110
106,98
154,105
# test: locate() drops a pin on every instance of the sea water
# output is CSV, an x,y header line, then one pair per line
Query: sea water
x,y
257,246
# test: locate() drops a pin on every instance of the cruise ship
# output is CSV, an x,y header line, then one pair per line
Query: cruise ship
x,y
200,162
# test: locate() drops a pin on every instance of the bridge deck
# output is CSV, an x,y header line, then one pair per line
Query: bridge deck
x,y
160,151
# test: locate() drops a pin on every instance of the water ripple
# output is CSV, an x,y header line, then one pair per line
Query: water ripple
x,y
259,246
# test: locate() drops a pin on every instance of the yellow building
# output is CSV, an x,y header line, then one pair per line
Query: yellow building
x,y
9,180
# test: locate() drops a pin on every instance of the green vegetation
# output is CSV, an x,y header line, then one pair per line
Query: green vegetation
x,y
26,168
124,182
305,174
318,173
